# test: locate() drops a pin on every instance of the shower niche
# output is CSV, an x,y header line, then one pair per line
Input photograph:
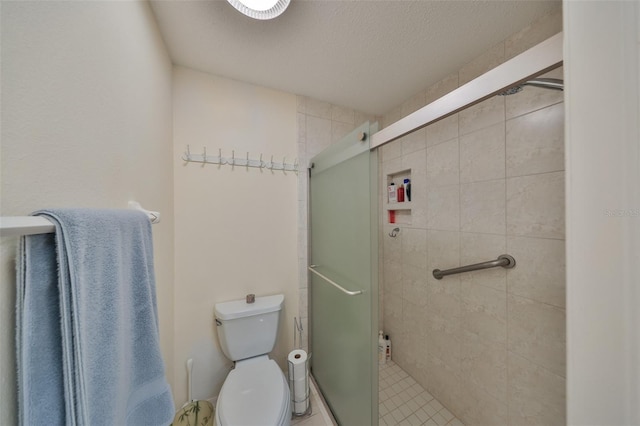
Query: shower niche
x,y
398,212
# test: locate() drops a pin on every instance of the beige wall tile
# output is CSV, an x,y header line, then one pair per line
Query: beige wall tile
x,y
482,154
484,366
442,130
390,167
484,313
414,320
443,251
414,141
536,396
535,205
411,354
443,340
318,108
392,247
413,104
441,88
482,115
482,207
301,104
342,114
391,116
301,121
391,150
479,408
418,207
443,302
443,164
417,163
414,285
533,34
400,341
392,278
340,130
444,382
414,247
392,313
476,248
537,333
303,301
535,142
540,270
443,208
318,135
360,117
534,98
483,63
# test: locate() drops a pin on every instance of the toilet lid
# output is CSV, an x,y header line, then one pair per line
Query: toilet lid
x,y
254,394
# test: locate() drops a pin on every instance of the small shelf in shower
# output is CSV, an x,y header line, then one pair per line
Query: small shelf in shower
x,y
399,206
398,213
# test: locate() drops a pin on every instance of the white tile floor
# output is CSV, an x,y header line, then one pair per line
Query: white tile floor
x,y
402,401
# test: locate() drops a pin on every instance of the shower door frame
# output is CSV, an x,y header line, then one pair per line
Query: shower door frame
x,y
533,62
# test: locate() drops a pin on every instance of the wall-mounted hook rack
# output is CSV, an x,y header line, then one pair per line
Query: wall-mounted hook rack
x,y
233,161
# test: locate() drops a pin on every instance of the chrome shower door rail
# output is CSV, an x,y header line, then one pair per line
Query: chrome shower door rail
x,y
333,283
504,260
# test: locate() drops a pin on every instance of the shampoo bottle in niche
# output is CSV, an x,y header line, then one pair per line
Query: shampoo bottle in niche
x,y
392,192
382,349
407,189
387,346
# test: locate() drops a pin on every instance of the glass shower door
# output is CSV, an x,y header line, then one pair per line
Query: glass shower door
x,y
343,277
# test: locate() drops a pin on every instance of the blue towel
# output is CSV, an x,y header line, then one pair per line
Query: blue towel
x,y
87,340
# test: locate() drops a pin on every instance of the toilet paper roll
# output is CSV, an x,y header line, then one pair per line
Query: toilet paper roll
x,y
297,364
298,378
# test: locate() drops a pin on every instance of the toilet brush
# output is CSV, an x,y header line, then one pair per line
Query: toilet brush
x,y
189,372
192,411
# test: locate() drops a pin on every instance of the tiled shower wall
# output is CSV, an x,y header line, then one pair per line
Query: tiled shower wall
x,y
491,344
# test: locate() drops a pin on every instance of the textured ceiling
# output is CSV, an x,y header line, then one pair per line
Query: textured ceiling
x,y
367,55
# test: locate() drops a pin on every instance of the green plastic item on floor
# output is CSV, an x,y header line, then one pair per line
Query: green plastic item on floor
x,y
195,413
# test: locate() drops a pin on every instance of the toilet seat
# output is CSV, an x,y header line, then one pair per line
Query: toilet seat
x,y
254,393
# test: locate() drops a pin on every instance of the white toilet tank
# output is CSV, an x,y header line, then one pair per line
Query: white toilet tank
x,y
246,330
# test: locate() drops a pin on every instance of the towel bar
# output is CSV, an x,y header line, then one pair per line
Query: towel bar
x,y
30,225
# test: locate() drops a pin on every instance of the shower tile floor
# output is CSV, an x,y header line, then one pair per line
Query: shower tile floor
x,y
402,401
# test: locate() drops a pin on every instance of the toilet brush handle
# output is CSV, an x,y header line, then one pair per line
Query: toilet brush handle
x,y
189,371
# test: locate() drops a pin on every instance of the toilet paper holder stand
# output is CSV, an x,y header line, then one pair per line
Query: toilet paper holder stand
x,y
294,377
293,382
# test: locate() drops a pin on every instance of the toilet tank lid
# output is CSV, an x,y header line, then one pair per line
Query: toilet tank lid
x,y
240,308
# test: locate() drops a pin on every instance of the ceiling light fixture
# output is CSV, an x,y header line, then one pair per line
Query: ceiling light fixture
x,y
260,9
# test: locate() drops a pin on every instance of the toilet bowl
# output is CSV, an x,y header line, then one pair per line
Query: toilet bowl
x,y
255,392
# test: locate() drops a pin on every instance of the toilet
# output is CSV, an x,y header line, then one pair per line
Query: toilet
x,y
256,392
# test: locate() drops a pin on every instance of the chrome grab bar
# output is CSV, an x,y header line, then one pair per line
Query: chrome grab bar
x,y
333,283
503,260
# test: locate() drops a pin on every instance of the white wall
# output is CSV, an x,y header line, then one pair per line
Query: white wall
x,y
86,122
602,91
235,229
